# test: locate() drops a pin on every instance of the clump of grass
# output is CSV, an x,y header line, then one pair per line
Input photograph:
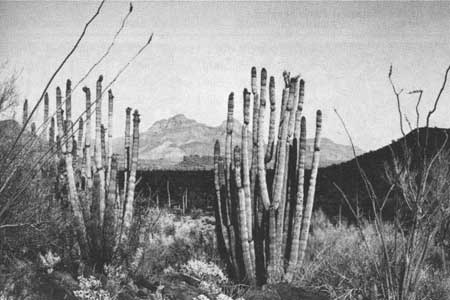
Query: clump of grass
x,y
174,240
341,263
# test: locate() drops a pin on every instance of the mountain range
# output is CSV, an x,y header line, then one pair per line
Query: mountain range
x,y
182,143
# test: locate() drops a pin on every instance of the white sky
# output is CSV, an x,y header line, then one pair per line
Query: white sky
x,y
201,51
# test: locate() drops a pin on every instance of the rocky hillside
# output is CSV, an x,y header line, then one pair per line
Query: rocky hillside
x,y
179,142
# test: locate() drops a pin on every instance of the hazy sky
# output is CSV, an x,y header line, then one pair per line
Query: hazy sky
x,y
203,50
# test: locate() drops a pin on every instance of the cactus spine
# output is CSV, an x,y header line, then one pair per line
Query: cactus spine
x,y
282,208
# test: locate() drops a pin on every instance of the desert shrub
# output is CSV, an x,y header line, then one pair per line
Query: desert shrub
x,y
342,263
174,240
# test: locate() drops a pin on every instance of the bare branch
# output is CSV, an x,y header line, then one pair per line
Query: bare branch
x,y
438,96
53,77
397,96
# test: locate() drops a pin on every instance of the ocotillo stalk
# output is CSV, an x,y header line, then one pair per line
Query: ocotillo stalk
x,y
73,198
110,133
127,149
297,220
243,217
110,212
311,190
128,213
220,220
249,207
98,149
25,113
44,133
87,142
271,139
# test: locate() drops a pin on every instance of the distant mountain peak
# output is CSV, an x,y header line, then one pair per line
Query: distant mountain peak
x,y
175,122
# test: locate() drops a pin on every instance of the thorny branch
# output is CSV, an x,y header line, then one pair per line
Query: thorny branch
x,y
438,96
53,77
41,127
397,96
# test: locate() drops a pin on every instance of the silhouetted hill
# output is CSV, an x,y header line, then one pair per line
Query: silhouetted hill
x,y
374,163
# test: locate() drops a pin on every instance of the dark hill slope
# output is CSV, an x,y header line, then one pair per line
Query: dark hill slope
x,y
374,163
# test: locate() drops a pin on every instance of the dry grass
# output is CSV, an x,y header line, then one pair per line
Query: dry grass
x,y
340,263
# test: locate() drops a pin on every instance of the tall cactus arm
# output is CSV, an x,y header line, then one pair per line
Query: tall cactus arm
x,y
292,117
68,100
255,132
110,224
243,216
103,143
249,204
80,141
110,133
73,198
98,149
128,213
51,134
297,221
312,188
220,225
280,167
127,154
87,142
298,113
271,139
44,133
59,119
228,149
263,191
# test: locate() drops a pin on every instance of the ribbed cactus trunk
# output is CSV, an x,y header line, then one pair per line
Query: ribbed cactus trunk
x,y
44,133
127,154
110,134
273,223
79,223
128,213
97,214
51,133
100,171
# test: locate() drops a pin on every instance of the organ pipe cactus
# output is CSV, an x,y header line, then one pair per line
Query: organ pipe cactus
x,y
268,239
102,234
100,171
44,133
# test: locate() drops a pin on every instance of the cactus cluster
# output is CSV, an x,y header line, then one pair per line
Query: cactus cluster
x,y
262,222
101,213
